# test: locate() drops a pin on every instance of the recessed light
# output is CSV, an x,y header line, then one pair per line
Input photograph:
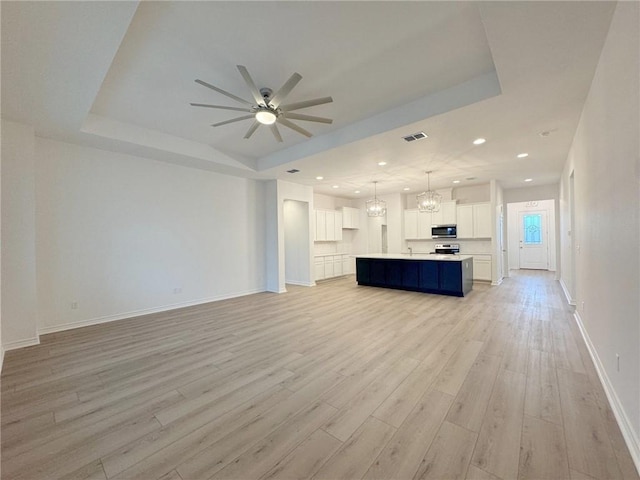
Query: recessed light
x,y
335,186
522,155
456,181
528,179
357,191
406,189
382,164
479,141
319,178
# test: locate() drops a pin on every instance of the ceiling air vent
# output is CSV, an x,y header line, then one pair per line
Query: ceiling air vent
x,y
415,136
293,170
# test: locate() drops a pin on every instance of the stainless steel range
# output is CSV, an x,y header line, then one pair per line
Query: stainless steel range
x,y
446,249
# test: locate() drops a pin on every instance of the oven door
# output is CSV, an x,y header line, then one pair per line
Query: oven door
x,y
444,231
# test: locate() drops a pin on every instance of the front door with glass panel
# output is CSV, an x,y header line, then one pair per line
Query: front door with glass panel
x,y
533,240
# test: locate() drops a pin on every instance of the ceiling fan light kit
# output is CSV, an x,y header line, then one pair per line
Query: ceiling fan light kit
x,y
267,109
266,117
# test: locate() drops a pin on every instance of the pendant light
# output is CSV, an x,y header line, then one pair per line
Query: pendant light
x,y
429,201
376,207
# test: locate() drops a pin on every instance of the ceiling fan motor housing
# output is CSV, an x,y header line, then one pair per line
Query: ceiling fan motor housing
x,y
266,93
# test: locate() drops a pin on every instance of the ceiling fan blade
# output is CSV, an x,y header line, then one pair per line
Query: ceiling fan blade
x,y
219,90
235,109
252,129
252,86
307,103
285,89
245,117
276,132
293,126
308,118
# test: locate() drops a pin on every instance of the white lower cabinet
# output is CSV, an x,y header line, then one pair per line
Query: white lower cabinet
x,y
482,267
329,266
319,268
346,265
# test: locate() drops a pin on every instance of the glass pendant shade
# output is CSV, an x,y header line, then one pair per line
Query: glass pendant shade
x,y
429,201
375,206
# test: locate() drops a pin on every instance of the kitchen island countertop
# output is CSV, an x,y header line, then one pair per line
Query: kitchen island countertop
x,y
415,256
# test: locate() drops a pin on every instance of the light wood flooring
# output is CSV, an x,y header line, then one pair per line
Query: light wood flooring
x,y
331,382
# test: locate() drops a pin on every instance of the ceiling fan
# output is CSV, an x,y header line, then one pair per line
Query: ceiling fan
x,y
268,108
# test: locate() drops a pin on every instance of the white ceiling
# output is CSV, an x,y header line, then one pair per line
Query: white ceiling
x,y
120,76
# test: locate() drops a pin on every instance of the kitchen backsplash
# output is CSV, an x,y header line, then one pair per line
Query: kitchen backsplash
x,y
343,246
466,246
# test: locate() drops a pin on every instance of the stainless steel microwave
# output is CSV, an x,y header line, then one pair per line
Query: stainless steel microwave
x,y
444,231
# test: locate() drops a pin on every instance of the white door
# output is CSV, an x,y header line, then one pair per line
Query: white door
x,y
533,240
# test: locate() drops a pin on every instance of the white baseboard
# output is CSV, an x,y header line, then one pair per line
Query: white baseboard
x,y
302,284
567,295
496,283
145,311
626,427
20,344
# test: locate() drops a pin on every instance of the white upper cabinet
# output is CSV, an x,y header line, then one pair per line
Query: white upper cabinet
x,y
482,220
445,216
350,218
425,221
321,225
465,221
411,224
328,226
474,220
417,225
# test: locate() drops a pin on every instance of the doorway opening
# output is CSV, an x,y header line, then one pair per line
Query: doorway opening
x,y
385,244
297,270
531,235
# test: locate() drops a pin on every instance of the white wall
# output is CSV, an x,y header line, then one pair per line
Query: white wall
x,y
296,242
605,158
121,235
1,344
532,193
497,210
19,301
472,194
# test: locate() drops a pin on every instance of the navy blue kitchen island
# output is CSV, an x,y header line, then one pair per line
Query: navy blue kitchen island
x,y
441,274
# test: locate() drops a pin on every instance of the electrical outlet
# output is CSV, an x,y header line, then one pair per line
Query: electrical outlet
x,y
74,305
617,362
177,290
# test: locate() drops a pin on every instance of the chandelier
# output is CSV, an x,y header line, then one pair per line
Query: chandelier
x,y
375,206
429,201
